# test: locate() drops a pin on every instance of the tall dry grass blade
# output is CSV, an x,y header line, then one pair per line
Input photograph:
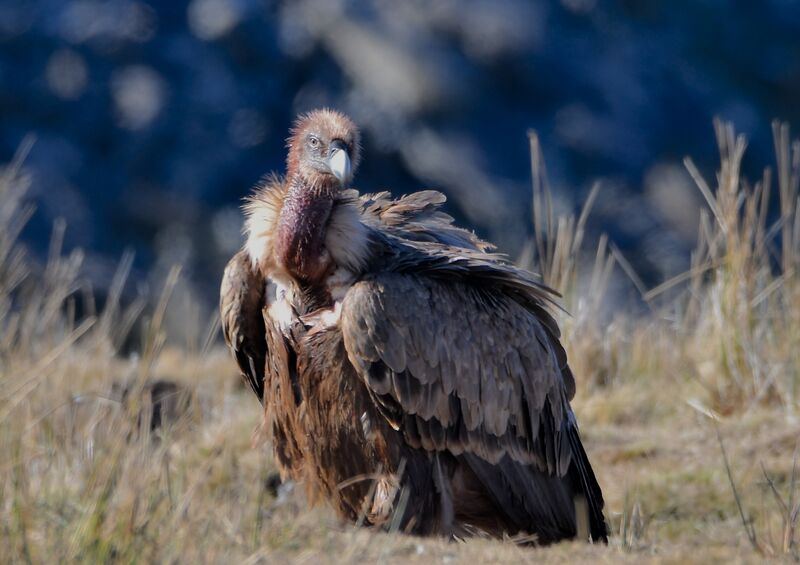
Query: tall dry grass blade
x,y
111,310
628,269
676,280
580,230
747,524
33,376
705,191
20,155
543,217
788,179
211,333
154,336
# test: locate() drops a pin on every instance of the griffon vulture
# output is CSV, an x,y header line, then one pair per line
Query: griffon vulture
x,y
408,374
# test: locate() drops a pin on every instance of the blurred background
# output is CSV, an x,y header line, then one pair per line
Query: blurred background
x,y
153,119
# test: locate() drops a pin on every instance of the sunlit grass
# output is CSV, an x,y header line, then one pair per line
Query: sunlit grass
x,y
158,457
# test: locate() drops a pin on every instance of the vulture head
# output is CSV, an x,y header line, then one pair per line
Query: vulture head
x,y
323,150
288,218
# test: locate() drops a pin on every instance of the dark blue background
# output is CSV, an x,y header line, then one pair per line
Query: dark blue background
x,y
153,119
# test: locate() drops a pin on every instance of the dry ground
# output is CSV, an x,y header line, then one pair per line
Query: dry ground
x,y
714,363
76,486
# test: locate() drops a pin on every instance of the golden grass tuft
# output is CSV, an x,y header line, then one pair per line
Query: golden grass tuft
x,y
153,457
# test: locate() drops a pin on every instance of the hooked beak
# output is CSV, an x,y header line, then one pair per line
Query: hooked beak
x,y
339,161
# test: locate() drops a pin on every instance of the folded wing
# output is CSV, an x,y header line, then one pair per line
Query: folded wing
x,y
460,368
240,303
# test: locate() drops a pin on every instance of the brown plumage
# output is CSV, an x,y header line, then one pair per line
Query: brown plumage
x,y
408,374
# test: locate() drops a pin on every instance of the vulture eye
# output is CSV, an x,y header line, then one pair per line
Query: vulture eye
x,y
313,141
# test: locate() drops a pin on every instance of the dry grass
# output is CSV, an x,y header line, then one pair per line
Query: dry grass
x,y
714,363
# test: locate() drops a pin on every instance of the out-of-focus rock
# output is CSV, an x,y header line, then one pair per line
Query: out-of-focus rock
x,y
159,404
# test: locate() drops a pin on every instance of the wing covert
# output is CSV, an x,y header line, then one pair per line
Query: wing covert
x,y
468,369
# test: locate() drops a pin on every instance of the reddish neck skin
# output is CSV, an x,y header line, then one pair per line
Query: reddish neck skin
x,y
301,227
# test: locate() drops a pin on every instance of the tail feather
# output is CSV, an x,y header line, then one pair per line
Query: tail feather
x,y
542,504
587,485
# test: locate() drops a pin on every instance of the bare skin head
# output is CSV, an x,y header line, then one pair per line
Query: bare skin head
x,y
323,150
323,156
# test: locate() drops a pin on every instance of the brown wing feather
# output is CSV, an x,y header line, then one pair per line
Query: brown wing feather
x,y
416,217
241,301
470,369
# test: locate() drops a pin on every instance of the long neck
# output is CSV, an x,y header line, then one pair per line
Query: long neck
x,y
301,229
